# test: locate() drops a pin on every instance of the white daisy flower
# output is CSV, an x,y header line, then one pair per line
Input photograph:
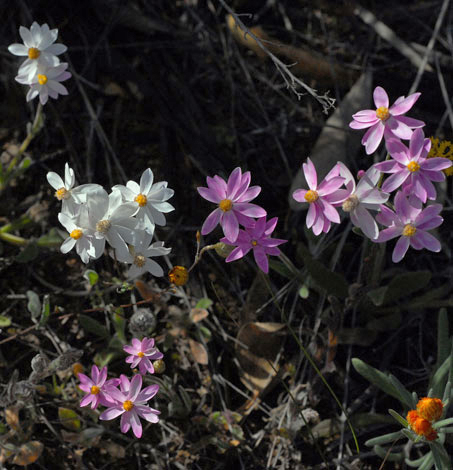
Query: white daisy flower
x,y
39,47
112,220
149,198
79,236
65,191
140,253
46,82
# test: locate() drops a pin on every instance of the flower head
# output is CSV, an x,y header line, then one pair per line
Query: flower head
x,y
442,149
141,354
95,388
46,82
150,199
411,224
233,203
256,238
430,408
178,275
130,404
386,121
321,199
38,47
411,168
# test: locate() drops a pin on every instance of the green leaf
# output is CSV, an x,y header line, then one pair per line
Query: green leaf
x,y
91,325
376,377
385,323
50,239
441,458
403,391
29,253
91,276
45,311
440,376
384,439
280,268
4,321
69,419
416,463
399,418
26,162
388,456
304,292
205,332
104,358
332,282
377,296
33,304
204,303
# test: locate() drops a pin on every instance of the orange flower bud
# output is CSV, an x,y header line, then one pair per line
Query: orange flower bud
x,y
412,417
77,368
430,408
422,427
178,275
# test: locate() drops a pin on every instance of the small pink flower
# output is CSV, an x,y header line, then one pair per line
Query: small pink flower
x,y
384,121
411,168
321,198
130,404
256,238
141,354
410,224
95,388
233,199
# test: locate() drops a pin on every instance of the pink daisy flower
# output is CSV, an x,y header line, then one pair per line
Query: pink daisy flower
x,y
141,354
233,199
384,121
130,404
95,388
411,168
256,238
410,224
321,198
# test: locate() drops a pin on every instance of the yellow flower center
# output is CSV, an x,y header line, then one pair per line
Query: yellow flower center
x,y
254,243
311,196
382,113
95,390
351,203
128,405
141,200
409,230
33,53
62,193
103,226
42,79
178,275
141,354
413,167
226,205
76,234
139,261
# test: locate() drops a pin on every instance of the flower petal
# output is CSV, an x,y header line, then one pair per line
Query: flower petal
x,y
400,249
380,97
310,174
404,105
211,221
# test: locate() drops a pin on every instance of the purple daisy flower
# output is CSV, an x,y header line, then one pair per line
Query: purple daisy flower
x,y
256,238
95,388
130,404
384,121
141,354
233,199
321,198
410,224
411,168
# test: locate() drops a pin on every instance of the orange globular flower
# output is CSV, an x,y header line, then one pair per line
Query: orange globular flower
x,y
430,408
422,427
178,275
77,368
412,417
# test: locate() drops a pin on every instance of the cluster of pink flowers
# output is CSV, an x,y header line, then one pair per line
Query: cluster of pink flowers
x,y
411,173
234,209
121,396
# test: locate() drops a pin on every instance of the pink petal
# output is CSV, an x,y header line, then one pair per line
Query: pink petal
x,y
136,425
234,181
270,225
87,399
250,210
395,181
386,216
250,194
237,253
398,128
130,349
329,186
428,186
389,233
147,413
398,151
412,123
380,98
125,423
209,194
218,185
261,259
366,115
136,385
417,142
428,241
145,366
299,195
311,215
95,374
245,182
436,164
102,376
427,213
319,222
362,125
364,220
400,249
388,166
211,221
147,393
310,174
112,413
373,137
137,344
430,223
404,105
230,226
330,212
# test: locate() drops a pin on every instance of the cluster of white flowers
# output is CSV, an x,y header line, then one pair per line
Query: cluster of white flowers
x,y
125,218
42,70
